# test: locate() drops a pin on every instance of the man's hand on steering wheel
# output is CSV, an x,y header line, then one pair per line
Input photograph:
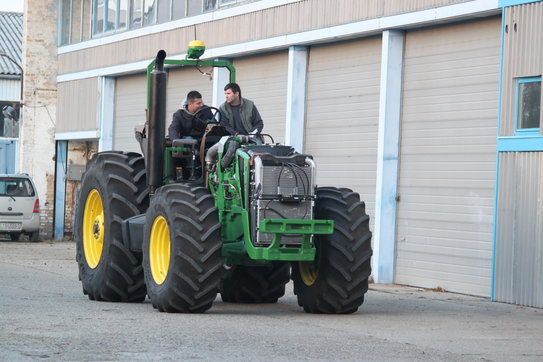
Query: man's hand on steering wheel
x,y
216,115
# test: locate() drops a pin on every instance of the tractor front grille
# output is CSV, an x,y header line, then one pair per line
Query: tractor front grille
x,y
287,180
274,209
281,191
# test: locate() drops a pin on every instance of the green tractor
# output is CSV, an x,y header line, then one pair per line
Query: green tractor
x,y
239,217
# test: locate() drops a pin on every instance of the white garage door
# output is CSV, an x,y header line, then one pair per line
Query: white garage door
x,y
130,104
342,115
131,100
263,79
183,80
447,157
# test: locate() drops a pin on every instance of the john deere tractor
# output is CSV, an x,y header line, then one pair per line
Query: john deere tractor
x,y
231,214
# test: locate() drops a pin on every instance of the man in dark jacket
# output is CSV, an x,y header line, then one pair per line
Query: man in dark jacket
x,y
185,123
240,115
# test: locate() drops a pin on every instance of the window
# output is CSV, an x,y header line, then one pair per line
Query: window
x,y
194,7
98,17
135,13
122,14
109,15
86,11
16,186
149,12
210,5
528,108
178,10
75,21
228,2
82,20
9,119
164,11
65,21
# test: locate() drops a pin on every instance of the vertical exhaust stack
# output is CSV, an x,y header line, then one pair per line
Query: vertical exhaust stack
x,y
157,124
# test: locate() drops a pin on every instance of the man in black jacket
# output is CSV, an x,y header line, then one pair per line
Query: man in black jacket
x,y
185,123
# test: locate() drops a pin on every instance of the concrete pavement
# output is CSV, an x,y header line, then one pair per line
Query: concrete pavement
x,y
44,315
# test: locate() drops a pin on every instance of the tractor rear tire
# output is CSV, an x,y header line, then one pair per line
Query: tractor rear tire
x,y
182,249
113,189
254,284
335,283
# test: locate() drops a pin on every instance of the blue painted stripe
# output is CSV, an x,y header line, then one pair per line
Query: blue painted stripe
x,y
504,3
60,189
520,144
500,86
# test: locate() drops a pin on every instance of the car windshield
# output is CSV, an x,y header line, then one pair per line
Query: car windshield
x,y
15,186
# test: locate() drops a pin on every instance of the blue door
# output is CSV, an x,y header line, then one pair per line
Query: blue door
x,y
8,153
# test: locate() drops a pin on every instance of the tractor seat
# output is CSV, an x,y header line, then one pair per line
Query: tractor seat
x,y
190,144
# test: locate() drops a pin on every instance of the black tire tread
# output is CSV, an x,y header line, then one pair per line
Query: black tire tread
x,y
120,179
195,263
344,257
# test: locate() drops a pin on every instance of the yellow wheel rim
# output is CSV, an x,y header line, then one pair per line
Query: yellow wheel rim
x,y
93,229
309,272
159,250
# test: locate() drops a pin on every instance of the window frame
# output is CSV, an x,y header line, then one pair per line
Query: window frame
x,y
525,131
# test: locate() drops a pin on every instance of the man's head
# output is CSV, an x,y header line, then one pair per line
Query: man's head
x,y
194,101
232,92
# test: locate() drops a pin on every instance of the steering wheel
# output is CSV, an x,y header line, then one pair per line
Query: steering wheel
x,y
215,112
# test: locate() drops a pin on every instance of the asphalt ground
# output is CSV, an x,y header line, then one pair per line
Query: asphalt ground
x,y
45,316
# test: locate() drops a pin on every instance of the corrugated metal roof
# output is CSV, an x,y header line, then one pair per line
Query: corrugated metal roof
x,y
11,36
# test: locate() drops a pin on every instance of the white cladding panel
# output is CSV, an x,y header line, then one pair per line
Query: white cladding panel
x,y
131,100
10,90
448,157
263,79
342,115
519,230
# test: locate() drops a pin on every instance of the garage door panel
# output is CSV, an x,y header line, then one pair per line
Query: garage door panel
x,y
436,138
457,63
130,104
180,82
463,238
419,274
447,157
342,115
263,79
461,153
131,101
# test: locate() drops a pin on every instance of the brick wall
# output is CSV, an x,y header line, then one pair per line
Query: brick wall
x,y
37,131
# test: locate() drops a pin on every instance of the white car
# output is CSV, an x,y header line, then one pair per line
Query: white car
x,y
19,207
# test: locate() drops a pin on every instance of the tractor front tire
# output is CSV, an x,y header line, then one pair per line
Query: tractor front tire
x,y
113,189
335,283
182,249
254,284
